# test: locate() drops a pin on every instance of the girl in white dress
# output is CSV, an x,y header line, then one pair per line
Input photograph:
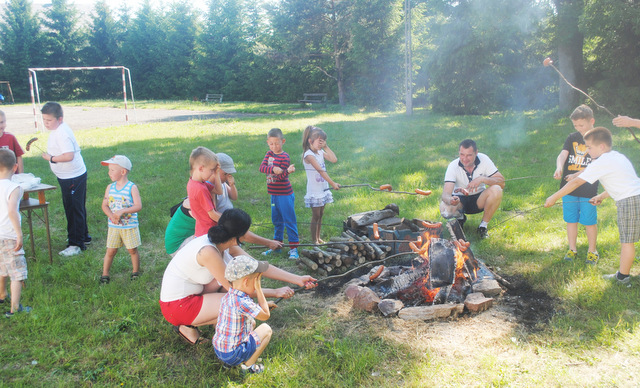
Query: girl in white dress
x,y
315,152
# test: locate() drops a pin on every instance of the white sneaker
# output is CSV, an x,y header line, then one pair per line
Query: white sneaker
x,y
71,250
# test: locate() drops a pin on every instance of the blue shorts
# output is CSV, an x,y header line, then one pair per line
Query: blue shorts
x,y
578,209
240,354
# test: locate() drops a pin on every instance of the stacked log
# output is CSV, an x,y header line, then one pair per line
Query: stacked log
x,y
343,253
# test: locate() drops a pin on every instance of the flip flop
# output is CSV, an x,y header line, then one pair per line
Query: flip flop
x,y
200,337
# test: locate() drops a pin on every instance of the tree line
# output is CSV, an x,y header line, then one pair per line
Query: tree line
x,y
467,56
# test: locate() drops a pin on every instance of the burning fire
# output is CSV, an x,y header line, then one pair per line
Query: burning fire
x,y
465,270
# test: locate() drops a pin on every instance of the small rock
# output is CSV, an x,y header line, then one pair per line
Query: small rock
x,y
352,291
390,306
477,302
425,313
366,300
488,287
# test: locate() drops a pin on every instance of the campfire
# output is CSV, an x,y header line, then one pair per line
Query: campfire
x,y
441,278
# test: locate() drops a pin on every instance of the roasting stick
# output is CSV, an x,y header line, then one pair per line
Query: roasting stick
x,y
368,263
378,242
548,62
386,188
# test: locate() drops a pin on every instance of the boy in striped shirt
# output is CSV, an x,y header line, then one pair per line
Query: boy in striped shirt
x,y
277,165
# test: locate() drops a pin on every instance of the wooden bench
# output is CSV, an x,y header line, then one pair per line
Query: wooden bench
x,y
314,98
211,97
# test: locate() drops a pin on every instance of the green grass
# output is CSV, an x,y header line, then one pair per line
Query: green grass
x,y
81,333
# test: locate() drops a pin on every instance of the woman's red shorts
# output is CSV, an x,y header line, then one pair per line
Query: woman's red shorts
x,y
182,311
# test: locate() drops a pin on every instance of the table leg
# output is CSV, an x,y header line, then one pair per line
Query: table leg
x,y
46,223
33,248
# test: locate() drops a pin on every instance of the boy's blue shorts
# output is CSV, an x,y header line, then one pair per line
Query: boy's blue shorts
x,y
579,210
240,354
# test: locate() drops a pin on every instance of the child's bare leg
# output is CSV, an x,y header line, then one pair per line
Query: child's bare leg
x,y
592,236
572,235
16,291
627,254
316,223
3,287
108,260
135,259
264,332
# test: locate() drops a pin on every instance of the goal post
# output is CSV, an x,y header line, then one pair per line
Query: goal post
x,y
35,92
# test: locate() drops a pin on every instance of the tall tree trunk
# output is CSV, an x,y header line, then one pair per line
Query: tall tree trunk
x,y
570,44
340,80
336,54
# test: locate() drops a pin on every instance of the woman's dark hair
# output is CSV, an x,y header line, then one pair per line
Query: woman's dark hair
x,y
233,223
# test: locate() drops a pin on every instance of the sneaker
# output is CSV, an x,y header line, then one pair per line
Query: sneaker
x,y
592,258
270,251
253,369
105,279
482,232
71,250
572,255
88,240
21,309
626,281
293,254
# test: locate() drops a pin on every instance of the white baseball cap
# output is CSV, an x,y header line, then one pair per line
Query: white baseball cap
x,y
120,160
242,266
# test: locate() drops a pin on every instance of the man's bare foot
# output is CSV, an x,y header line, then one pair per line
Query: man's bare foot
x,y
319,242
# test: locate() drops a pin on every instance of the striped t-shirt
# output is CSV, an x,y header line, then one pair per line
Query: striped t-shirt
x,y
277,184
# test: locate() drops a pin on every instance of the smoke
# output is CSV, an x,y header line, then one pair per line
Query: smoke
x,y
514,133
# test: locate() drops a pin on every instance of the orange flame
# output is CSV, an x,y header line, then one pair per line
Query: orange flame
x,y
460,253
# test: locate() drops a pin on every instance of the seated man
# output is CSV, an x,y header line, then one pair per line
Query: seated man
x,y
472,184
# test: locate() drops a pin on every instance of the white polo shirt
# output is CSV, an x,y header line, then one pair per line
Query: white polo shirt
x,y
457,174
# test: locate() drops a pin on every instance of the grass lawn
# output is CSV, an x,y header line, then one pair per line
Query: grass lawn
x,y
81,333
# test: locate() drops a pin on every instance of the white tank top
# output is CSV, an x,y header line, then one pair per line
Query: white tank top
x,y
184,276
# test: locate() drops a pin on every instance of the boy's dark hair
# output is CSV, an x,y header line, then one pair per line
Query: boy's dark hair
x,y
233,223
52,108
466,143
599,135
7,159
582,112
275,132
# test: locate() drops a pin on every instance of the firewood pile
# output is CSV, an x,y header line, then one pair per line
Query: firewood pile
x,y
367,236
342,253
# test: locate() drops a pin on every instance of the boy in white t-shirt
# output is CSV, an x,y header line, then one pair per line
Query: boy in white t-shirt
x,y
620,181
63,155
12,261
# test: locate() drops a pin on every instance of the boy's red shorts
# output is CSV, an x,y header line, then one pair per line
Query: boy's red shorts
x,y
182,311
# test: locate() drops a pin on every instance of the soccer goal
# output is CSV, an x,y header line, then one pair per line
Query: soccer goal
x,y
35,95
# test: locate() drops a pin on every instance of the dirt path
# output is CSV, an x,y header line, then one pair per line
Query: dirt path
x,y
20,117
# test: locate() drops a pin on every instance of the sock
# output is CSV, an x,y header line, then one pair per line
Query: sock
x,y
621,276
483,224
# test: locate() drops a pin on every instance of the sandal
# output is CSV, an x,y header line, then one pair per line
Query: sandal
x,y
200,337
135,275
105,279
